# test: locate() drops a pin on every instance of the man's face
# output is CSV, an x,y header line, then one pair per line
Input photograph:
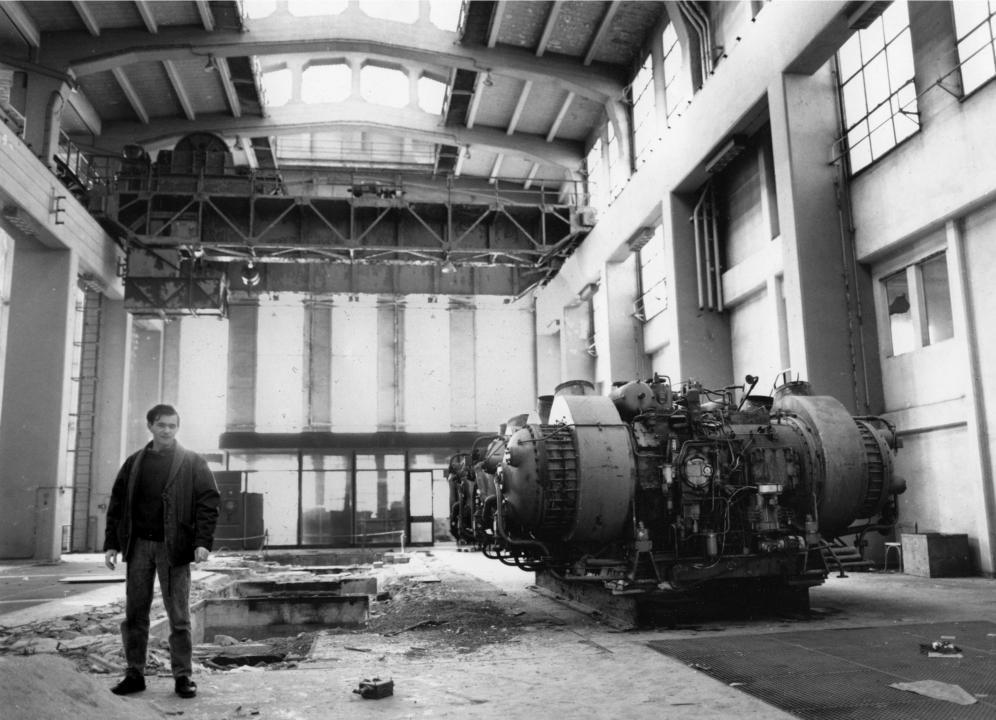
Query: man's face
x,y
164,430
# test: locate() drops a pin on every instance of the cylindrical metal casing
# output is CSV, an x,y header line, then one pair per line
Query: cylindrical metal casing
x,y
572,481
574,387
632,399
844,469
544,403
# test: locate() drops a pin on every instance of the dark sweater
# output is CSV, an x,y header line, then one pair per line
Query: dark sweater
x,y
148,501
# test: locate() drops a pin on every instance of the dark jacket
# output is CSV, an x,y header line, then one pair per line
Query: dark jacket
x,y
190,504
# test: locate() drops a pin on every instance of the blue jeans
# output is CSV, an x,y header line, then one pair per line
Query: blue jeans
x,y
147,560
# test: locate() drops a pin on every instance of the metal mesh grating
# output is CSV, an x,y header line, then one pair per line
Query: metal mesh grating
x,y
845,674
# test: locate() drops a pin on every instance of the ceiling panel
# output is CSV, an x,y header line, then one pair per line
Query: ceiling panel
x,y
175,12
575,27
104,93
53,16
522,23
115,15
628,33
581,118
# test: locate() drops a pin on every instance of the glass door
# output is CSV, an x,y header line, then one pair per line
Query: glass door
x,y
420,507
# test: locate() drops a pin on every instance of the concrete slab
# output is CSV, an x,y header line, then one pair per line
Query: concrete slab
x,y
558,659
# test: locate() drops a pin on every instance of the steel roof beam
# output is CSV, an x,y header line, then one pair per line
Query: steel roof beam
x,y
83,55
22,21
520,106
180,89
551,23
349,115
148,15
225,76
132,95
207,17
603,30
89,21
496,18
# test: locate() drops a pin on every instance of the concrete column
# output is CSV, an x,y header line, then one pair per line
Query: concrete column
x,y
390,367
318,360
145,381
172,331
463,369
243,326
548,360
699,346
932,32
46,99
624,354
110,419
34,497
979,462
575,361
803,128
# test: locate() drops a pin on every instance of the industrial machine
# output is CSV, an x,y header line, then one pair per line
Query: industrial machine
x,y
656,490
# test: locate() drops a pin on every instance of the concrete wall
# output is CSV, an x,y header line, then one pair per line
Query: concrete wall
x,y
34,483
935,193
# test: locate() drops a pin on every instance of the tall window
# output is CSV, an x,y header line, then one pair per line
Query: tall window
x,y
975,25
616,166
653,278
919,304
644,117
876,87
598,185
676,83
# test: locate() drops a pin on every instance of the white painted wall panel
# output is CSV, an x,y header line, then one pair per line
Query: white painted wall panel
x,y
426,385
505,365
203,381
938,497
280,366
462,364
755,350
354,368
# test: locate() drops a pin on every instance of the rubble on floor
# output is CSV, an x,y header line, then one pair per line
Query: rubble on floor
x,y
440,612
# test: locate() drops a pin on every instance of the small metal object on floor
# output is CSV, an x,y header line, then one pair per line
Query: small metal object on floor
x,y
375,689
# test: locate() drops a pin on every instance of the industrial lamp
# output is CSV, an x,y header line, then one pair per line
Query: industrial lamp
x,y
448,267
250,275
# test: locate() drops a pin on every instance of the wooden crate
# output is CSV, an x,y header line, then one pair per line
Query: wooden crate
x,y
936,555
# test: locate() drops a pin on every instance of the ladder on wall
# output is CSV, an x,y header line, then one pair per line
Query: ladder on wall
x,y
86,349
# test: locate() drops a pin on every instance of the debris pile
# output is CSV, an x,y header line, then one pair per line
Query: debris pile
x,y
448,613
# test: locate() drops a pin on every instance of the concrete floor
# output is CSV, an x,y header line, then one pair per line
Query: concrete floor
x,y
567,663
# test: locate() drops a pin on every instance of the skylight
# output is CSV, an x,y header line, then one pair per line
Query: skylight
x,y
384,86
326,83
430,95
310,8
255,9
406,12
445,14
276,87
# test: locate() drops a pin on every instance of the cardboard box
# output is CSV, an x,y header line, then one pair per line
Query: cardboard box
x,y
936,555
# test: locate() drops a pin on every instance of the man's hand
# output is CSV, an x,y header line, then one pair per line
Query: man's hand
x,y
110,559
200,554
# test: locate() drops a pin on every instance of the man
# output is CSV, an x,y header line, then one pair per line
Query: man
x,y
161,517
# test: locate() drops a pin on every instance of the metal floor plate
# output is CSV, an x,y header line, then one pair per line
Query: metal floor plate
x,y
846,674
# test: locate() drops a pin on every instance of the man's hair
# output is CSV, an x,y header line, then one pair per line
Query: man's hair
x,y
159,411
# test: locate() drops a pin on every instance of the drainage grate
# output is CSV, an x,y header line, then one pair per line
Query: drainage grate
x,y
845,674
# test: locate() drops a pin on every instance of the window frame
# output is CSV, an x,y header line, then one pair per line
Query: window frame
x,y
960,38
893,104
910,263
644,107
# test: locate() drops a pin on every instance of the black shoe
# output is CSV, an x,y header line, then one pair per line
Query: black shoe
x,y
185,687
132,683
